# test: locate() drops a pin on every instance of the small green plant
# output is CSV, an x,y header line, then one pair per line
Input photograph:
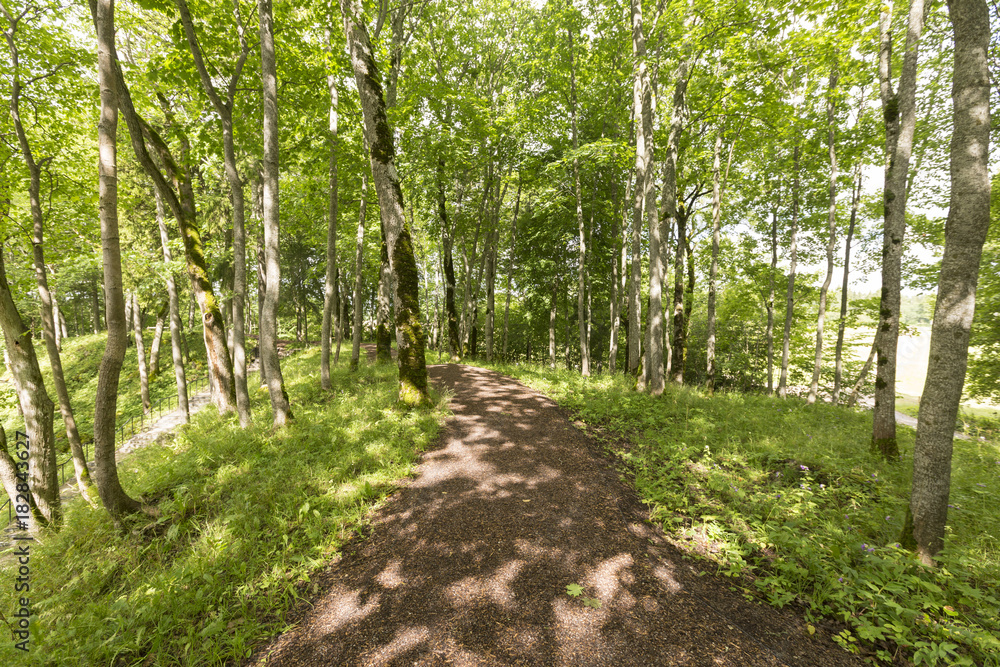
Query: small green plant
x,y
576,591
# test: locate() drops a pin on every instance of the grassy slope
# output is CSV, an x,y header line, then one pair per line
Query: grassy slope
x,y
81,358
245,516
788,496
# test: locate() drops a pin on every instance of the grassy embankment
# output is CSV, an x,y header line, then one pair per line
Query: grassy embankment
x,y
786,498
244,518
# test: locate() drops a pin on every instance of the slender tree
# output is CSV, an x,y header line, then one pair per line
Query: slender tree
x,y
224,107
174,309
49,309
792,261
831,223
116,501
899,111
269,318
331,303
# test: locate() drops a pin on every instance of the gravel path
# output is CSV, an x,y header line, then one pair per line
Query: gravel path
x,y
468,563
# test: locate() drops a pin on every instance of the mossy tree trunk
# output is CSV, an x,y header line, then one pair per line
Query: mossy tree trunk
x,y
179,196
410,355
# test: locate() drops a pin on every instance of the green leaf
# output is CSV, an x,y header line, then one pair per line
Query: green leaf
x,y
574,590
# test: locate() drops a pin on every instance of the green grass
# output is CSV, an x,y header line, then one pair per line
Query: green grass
x,y
81,359
244,518
786,498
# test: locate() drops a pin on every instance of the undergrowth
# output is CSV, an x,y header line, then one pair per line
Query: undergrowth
x,y
788,496
245,516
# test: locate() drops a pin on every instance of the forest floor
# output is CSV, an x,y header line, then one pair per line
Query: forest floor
x,y
518,542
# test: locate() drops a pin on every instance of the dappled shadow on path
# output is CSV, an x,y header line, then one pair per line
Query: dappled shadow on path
x,y
468,564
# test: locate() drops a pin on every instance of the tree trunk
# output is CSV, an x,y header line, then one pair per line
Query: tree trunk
x,y
115,500
49,307
855,201
680,329
965,233
359,259
714,269
269,318
140,350
331,305
900,119
454,344
552,323
410,355
864,370
831,243
641,101
491,278
176,337
383,336
618,260
36,406
510,265
154,353
179,195
582,259
790,295
770,300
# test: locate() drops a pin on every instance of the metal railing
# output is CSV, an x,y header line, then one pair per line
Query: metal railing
x,y
126,429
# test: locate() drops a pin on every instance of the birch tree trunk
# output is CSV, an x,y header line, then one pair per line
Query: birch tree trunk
x,y
680,329
792,259
269,318
965,233
831,223
552,323
175,315
900,119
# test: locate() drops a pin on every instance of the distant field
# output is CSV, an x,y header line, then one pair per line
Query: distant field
x,y
911,370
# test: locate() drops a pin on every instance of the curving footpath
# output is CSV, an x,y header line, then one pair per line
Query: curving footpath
x,y
469,562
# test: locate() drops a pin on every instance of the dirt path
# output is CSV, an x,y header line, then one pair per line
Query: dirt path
x,y
468,563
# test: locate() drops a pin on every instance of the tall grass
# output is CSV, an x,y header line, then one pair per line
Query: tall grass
x,y
244,517
788,496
